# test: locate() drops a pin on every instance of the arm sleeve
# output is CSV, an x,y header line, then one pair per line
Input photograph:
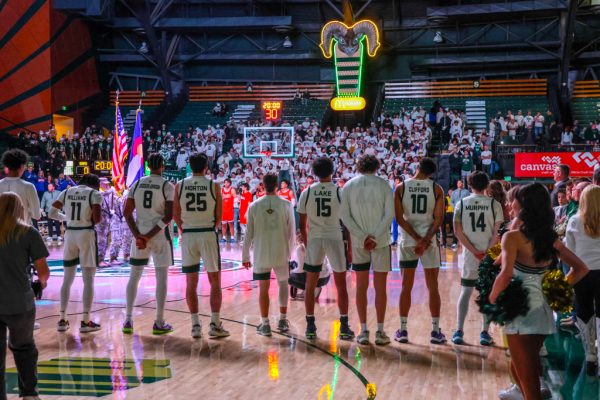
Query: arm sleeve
x,y
348,219
301,207
169,191
386,221
249,234
291,229
34,203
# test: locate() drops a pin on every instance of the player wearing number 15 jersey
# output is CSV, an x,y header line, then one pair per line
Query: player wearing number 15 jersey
x,y
419,203
197,212
477,219
81,205
152,199
321,229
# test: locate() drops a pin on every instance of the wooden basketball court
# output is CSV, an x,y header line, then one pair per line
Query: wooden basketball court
x,y
248,366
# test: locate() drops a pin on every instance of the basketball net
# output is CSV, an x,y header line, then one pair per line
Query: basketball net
x,y
266,153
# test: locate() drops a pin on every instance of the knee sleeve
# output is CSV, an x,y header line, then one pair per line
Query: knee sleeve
x,y
283,293
88,287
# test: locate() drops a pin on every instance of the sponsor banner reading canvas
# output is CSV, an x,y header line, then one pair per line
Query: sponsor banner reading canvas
x,y
541,165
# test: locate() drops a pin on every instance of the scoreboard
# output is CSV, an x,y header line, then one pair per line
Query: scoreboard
x,y
272,110
80,168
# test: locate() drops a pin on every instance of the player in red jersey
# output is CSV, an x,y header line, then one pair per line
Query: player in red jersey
x,y
245,200
286,193
260,191
227,194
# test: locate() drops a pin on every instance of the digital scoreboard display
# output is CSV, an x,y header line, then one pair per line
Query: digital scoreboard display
x,y
272,110
103,168
80,168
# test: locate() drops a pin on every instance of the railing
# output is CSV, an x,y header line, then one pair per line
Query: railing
x,y
485,88
507,150
259,92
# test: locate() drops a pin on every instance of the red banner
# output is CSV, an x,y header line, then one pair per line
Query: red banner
x,y
541,165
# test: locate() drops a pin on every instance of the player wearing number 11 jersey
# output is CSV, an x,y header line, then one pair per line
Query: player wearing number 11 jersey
x,y
477,219
197,212
419,204
81,205
152,199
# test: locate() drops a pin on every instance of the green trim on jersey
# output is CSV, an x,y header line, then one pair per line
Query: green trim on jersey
x,y
71,263
265,276
138,261
409,263
361,267
468,282
313,268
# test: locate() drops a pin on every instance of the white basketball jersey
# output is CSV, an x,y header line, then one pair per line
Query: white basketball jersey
x,y
198,202
77,205
321,203
418,202
150,194
478,214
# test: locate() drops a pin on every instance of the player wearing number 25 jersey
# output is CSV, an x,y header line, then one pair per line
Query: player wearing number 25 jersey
x,y
197,212
477,219
81,205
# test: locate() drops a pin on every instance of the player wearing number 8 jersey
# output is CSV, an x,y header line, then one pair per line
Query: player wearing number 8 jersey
x,y
81,206
197,212
477,219
419,204
152,199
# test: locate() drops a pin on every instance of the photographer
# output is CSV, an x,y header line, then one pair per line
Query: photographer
x,y
20,244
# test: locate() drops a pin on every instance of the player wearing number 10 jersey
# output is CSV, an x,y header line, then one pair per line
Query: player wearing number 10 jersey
x,y
419,206
152,199
81,206
197,212
477,219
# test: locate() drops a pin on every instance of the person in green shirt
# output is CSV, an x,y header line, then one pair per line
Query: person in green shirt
x,y
573,205
466,164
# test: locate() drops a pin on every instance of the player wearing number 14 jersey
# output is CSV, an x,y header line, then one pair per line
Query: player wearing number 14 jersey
x,y
152,199
477,219
197,212
419,204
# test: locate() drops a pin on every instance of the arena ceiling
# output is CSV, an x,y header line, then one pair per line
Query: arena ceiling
x,y
203,41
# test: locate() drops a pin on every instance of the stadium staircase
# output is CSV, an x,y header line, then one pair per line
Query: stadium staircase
x,y
128,104
476,114
586,101
243,112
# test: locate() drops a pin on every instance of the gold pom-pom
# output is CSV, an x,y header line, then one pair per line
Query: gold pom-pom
x,y
558,292
494,251
371,391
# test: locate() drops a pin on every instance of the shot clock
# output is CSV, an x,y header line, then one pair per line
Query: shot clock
x,y
272,110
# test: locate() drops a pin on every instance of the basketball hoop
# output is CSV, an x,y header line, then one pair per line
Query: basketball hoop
x,y
266,153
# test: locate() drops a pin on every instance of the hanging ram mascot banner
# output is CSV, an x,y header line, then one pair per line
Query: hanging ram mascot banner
x,y
347,43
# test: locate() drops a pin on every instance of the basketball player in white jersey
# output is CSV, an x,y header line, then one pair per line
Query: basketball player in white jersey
x,y
419,203
367,212
321,231
152,200
477,219
271,230
197,212
81,205
14,162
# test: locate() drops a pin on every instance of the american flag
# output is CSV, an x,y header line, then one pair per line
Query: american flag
x,y
119,152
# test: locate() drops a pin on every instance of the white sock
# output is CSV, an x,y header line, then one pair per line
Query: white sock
x,y
403,323
380,326
215,318
195,319
88,291
65,290
310,316
363,327
162,276
283,316
435,324
463,305
265,320
135,274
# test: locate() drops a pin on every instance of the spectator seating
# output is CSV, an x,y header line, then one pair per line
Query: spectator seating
x,y
258,93
586,101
